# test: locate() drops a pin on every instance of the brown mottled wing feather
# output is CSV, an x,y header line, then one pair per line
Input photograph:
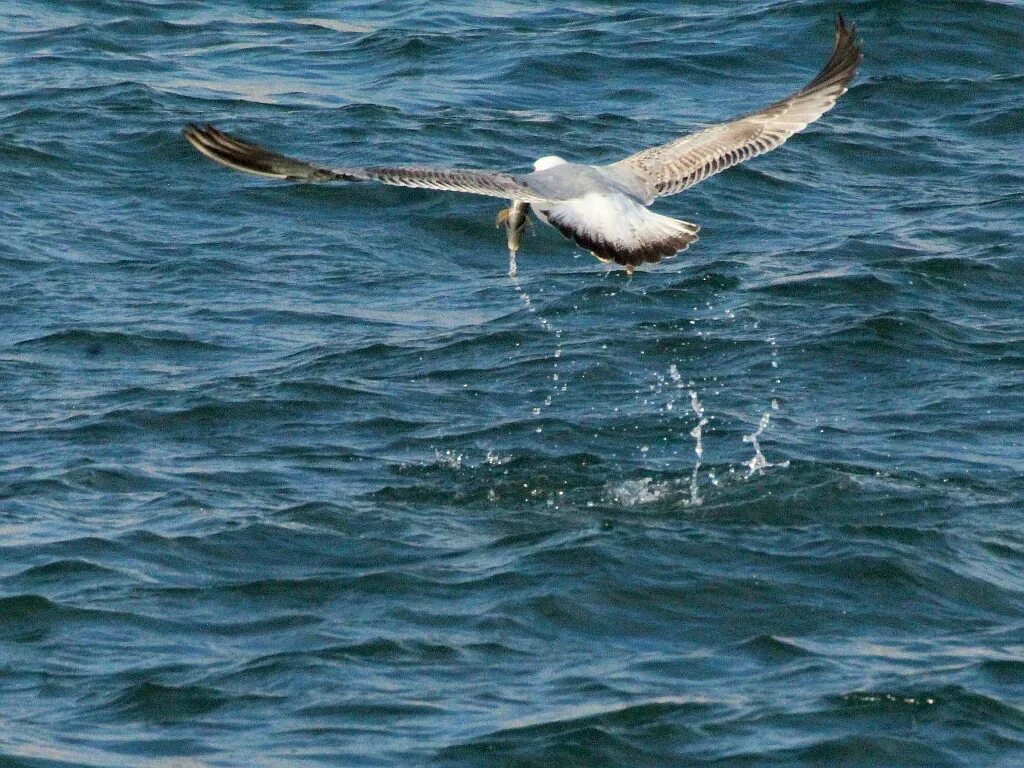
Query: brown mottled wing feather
x,y
252,158
673,167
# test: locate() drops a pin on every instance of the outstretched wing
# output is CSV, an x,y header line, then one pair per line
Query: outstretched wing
x,y
673,167
252,158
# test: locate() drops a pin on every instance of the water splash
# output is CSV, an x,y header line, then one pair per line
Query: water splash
x,y
519,288
495,459
558,385
676,384
673,382
697,433
631,493
449,458
758,464
675,375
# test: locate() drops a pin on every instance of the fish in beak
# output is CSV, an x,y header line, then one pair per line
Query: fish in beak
x,y
514,219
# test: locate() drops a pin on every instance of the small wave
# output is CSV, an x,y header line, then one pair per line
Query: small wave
x,y
1008,672
58,571
92,343
774,649
879,701
832,283
903,329
30,618
978,709
162,703
558,735
391,710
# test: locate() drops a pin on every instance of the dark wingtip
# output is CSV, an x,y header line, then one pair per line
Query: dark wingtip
x,y
846,57
846,31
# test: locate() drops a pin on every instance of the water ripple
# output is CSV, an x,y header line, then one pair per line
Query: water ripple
x,y
296,474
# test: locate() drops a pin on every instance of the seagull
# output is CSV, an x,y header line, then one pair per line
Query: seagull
x,y
601,208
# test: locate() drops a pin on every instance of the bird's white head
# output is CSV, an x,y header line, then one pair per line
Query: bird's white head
x,y
550,161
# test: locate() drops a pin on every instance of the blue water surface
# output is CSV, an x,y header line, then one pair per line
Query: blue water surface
x,y
297,475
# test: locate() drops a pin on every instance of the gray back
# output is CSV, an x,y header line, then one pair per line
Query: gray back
x,y
572,180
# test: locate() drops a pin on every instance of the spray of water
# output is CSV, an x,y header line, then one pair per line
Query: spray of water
x,y
558,386
697,433
758,464
755,466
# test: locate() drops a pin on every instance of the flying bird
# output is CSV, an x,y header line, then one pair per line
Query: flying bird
x,y
602,208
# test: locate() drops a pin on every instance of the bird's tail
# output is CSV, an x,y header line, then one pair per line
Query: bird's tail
x,y
616,228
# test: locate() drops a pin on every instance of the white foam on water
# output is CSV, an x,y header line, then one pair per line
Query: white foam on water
x,y
631,493
495,459
449,458
453,459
